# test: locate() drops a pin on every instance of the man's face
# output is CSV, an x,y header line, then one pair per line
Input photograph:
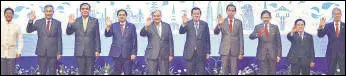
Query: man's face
x,y
48,12
85,10
230,12
157,17
8,15
300,26
122,16
337,15
266,18
196,15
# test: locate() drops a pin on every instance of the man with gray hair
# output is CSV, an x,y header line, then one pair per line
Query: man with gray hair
x,y
335,31
160,50
49,43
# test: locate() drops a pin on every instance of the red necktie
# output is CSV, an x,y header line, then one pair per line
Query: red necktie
x,y
122,29
337,29
48,23
266,31
230,25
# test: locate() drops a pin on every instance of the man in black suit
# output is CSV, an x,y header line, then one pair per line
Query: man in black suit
x,y
49,43
301,54
336,41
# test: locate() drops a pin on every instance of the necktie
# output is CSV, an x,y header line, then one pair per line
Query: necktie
x,y
337,29
301,35
266,31
230,25
122,29
84,24
196,27
159,29
48,26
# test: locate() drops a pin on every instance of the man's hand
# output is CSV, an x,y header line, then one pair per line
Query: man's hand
x,y
293,30
170,58
322,22
220,20
277,59
18,55
240,57
59,56
32,16
97,54
312,64
71,19
207,56
133,57
108,23
148,22
185,19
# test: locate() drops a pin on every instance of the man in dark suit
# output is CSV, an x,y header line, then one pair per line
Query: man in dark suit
x,y
301,54
232,41
160,50
269,44
87,39
49,43
197,45
336,42
124,45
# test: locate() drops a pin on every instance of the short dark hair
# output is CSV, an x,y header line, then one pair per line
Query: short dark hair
x,y
121,10
196,8
235,9
10,10
265,11
295,23
48,6
80,6
336,8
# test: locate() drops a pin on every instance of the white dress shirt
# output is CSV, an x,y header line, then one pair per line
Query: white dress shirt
x,y
10,33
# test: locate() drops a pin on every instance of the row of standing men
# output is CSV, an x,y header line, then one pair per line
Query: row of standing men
x,y
160,49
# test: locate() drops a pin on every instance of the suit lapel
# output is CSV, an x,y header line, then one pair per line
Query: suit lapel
x,y
200,29
153,26
118,29
127,26
88,25
333,29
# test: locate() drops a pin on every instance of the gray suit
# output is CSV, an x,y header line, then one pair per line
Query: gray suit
x,y
196,46
49,44
159,48
268,48
301,53
232,44
86,43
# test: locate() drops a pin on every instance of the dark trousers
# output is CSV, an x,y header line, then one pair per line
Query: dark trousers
x,y
196,65
8,66
227,62
86,65
161,62
122,65
296,68
49,62
267,66
332,63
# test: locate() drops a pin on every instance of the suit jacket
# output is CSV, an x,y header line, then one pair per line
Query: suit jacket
x,y
158,45
86,42
48,43
301,48
123,45
199,42
336,45
271,46
231,42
